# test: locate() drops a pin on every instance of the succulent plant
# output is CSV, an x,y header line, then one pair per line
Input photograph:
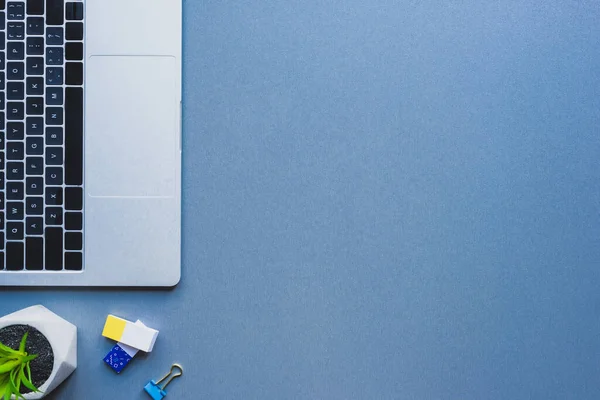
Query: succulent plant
x,y
15,371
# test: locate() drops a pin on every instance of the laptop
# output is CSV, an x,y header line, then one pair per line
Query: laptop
x,y
90,142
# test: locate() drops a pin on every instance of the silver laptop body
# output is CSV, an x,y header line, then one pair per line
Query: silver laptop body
x,y
130,207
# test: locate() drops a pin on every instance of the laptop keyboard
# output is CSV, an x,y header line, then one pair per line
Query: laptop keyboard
x,y
41,135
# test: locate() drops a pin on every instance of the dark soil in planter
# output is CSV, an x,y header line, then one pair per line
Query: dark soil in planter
x,y
41,366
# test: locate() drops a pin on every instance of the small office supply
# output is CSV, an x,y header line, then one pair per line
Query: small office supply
x,y
131,334
120,355
90,142
158,392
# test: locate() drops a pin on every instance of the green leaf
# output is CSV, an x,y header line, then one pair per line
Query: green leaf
x,y
23,342
27,383
7,367
28,372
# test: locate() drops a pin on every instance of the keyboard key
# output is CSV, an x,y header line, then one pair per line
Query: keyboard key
x,y
2,40
54,176
15,131
34,225
2,259
74,11
15,191
2,101
74,51
73,261
34,125
34,185
14,210
15,31
2,221
74,74
34,205
15,71
74,136
34,253
73,198
2,140
54,116
2,160
2,80
2,60
14,151
15,51
35,86
54,216
2,243
54,56
35,26
34,166
2,184
35,106
15,256
15,11
54,96
16,111
54,36
54,248
54,135
35,66
54,156
2,208
74,31
15,171
73,241
15,231
35,7
73,221
55,12
34,146
54,76
54,196
35,46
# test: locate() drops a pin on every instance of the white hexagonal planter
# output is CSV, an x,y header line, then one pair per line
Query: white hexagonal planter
x,y
62,336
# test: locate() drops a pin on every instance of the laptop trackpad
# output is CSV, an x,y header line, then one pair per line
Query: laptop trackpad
x,y
132,126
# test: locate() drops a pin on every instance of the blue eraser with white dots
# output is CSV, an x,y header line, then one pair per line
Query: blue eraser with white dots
x,y
117,358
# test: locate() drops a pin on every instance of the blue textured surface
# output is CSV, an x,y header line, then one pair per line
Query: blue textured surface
x,y
382,200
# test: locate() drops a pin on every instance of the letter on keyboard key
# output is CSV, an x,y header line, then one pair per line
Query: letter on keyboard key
x,y
54,116
54,196
34,225
54,216
34,253
34,186
14,256
15,210
14,230
34,205
54,248
54,176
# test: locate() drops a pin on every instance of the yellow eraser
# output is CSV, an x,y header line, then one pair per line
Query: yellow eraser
x,y
114,327
138,336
